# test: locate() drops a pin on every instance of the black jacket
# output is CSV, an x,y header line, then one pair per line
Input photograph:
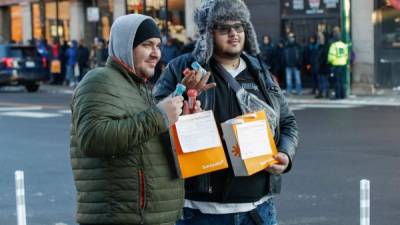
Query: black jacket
x,y
215,186
323,65
270,56
293,55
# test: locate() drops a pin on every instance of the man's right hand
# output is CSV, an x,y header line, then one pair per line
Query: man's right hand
x,y
194,80
172,106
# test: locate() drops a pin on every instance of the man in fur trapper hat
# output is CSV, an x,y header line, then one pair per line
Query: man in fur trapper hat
x,y
227,47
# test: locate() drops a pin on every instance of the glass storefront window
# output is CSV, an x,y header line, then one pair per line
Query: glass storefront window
x,y
134,6
36,28
62,30
16,23
106,17
390,25
173,20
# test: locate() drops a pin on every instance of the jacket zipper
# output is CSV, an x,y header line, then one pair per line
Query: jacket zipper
x,y
141,195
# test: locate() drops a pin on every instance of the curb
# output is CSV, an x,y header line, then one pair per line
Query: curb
x,y
389,101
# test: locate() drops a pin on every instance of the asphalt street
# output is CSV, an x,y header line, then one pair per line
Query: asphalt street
x,y
340,145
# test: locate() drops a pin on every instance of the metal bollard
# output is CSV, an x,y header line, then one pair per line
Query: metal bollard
x,y
20,197
364,202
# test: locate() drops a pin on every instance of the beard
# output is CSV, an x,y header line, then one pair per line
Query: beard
x,y
147,72
144,72
228,54
232,55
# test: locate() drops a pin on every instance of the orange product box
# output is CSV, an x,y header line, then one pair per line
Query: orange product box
x,y
250,143
197,146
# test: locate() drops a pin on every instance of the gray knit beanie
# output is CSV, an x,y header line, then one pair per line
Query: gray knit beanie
x,y
211,12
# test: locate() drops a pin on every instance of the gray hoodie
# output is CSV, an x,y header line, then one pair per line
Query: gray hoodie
x,y
122,36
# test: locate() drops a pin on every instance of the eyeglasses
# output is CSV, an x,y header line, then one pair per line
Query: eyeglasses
x,y
226,28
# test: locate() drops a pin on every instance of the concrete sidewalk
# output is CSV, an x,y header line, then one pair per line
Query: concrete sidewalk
x,y
384,97
58,89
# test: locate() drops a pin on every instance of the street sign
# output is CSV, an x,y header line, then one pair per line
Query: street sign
x,y
93,14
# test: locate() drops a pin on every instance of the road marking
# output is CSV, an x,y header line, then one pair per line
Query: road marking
x,y
66,111
30,114
371,101
69,92
2,109
26,105
295,107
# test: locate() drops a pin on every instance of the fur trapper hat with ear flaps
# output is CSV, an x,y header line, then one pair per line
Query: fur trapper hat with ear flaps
x,y
211,12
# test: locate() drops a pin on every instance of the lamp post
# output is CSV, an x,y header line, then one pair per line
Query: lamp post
x,y
166,17
345,22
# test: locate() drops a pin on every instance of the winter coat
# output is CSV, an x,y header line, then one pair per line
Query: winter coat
x,y
198,188
72,54
293,55
123,173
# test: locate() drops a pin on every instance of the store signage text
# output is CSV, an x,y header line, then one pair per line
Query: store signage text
x,y
331,3
298,4
93,14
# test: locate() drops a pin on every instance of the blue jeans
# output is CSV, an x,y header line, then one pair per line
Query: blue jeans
x,y
290,73
323,86
267,211
315,79
70,74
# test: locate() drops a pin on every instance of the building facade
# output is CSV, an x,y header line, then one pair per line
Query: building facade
x,y
374,30
386,21
375,26
24,20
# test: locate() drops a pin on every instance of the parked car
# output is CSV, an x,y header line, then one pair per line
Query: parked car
x,y
22,65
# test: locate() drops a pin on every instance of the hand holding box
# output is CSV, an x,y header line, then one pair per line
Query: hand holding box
x,y
250,143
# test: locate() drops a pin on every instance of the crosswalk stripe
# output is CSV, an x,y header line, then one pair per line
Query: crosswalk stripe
x,y
2,109
294,108
30,114
66,111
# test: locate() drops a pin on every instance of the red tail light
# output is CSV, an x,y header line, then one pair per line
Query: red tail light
x,y
44,62
8,62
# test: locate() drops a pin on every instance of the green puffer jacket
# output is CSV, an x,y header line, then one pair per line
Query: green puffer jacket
x,y
123,173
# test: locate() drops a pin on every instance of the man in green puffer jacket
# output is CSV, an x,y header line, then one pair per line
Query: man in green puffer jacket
x,y
122,170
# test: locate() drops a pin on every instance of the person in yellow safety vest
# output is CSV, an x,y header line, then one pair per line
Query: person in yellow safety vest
x,y
338,56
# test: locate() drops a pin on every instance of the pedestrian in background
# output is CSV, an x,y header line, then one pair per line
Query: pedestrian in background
x,y
43,49
71,56
169,51
55,63
226,47
269,54
311,60
63,59
293,61
324,69
83,59
279,63
121,169
338,56
98,54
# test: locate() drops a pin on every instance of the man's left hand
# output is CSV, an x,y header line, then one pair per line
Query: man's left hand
x,y
280,167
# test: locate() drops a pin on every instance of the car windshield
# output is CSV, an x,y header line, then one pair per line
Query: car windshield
x,y
20,52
